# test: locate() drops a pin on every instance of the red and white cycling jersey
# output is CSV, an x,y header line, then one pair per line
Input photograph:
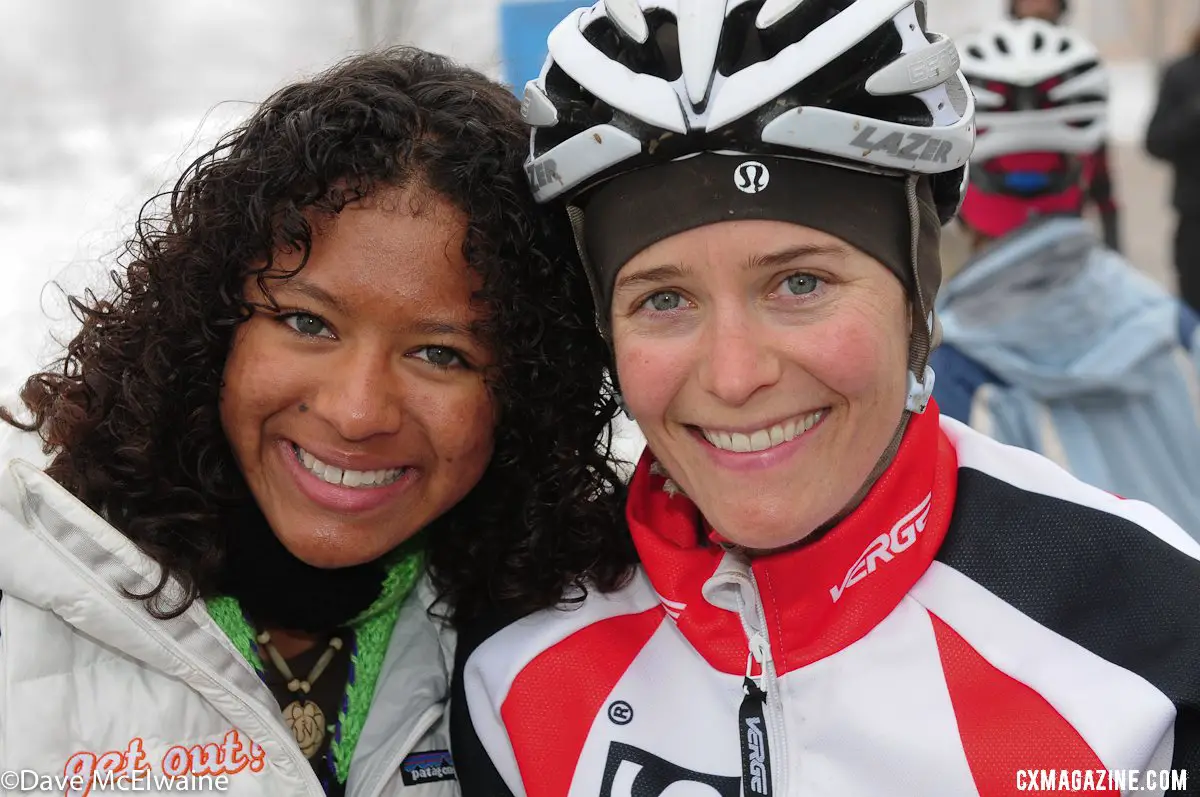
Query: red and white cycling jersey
x,y
980,614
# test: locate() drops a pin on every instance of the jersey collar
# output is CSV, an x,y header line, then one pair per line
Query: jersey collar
x,y
817,598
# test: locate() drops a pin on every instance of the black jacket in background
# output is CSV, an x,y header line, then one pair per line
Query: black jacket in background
x,y
1174,132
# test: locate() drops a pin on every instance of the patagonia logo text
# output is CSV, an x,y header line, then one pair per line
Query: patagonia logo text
x,y
886,546
911,146
427,767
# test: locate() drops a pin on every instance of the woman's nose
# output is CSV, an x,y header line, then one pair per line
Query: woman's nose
x,y
360,395
736,361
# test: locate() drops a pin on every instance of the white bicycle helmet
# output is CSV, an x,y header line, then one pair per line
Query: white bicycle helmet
x,y
1038,87
857,83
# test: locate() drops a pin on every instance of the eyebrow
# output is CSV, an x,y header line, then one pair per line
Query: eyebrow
x,y
441,327
656,274
314,292
427,326
782,257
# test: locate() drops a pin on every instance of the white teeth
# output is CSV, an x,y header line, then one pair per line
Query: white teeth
x,y
763,439
344,477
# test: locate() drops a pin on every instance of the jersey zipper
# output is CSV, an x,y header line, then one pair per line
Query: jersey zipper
x,y
752,725
760,724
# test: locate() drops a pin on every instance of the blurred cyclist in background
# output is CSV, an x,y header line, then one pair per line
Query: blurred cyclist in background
x,y
1053,342
1100,187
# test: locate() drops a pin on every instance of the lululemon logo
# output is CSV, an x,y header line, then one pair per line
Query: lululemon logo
x,y
751,177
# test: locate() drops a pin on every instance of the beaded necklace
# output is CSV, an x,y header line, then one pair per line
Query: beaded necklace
x,y
372,633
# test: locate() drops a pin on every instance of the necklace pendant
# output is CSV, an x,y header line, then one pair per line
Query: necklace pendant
x,y
307,723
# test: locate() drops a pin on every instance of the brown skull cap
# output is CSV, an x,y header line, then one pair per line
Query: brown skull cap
x,y
623,216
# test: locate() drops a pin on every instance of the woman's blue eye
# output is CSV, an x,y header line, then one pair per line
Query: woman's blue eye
x,y
664,301
305,324
801,284
441,356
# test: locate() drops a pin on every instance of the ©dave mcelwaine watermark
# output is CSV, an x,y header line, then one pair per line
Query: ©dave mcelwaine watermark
x,y
1084,780
27,780
198,768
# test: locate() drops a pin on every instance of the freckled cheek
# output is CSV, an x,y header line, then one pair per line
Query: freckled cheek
x,y
852,359
460,424
651,375
266,380
259,382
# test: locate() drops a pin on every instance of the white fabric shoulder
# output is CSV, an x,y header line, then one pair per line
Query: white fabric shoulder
x,y
1035,473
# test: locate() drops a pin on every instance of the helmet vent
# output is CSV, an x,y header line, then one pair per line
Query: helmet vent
x,y
1001,45
658,56
740,43
800,22
578,109
839,85
743,44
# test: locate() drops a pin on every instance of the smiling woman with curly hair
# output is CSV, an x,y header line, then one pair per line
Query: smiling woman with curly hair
x,y
351,351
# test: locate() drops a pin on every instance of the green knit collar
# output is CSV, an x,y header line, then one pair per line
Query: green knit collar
x,y
372,634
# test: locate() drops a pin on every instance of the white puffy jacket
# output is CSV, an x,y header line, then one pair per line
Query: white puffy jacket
x,y
85,669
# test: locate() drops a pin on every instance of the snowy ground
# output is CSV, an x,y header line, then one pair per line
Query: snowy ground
x,y
72,178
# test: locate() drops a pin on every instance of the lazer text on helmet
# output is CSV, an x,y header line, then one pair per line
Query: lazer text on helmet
x,y
912,146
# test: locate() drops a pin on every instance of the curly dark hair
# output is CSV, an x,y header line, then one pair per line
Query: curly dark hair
x,y
130,410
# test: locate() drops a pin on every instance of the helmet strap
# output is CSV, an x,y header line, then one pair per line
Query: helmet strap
x,y
576,215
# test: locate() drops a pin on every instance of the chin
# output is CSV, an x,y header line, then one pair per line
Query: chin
x,y
329,554
773,530
763,544
765,538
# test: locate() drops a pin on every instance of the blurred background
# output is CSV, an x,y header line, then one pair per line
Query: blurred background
x,y
104,103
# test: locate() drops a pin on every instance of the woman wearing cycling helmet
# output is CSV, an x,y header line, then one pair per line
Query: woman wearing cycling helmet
x,y
840,592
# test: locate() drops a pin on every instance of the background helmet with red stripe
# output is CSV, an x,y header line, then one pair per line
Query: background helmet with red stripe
x,y
860,84
1042,92
1038,87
